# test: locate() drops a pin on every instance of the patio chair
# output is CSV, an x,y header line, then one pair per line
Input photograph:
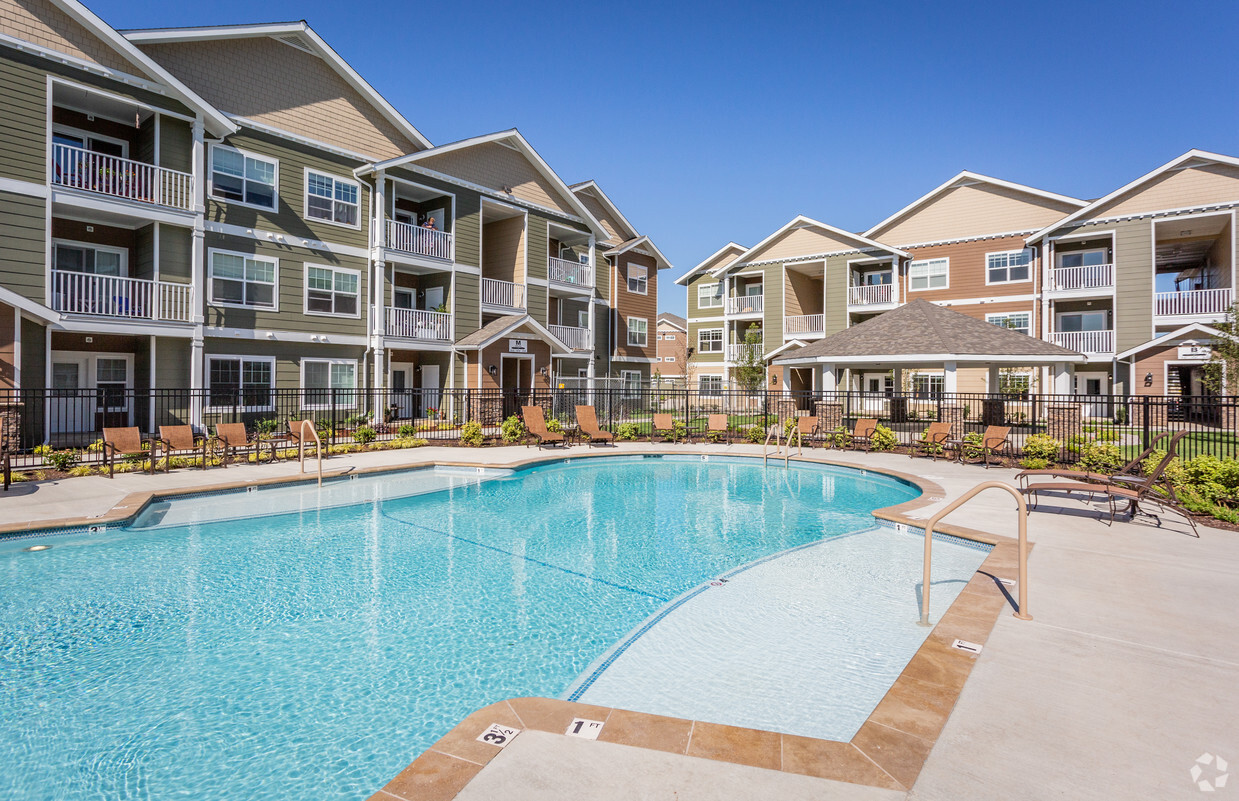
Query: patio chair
x,y
717,424
126,442
664,426
234,440
535,425
180,440
808,430
1132,468
861,435
587,424
293,437
6,465
934,442
994,439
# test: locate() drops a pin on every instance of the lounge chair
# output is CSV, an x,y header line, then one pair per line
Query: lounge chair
x,y
233,440
180,440
807,430
717,424
535,425
861,435
1132,468
993,440
664,426
934,442
587,424
125,442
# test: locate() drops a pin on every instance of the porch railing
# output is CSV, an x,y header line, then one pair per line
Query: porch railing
x,y
745,304
566,271
804,324
736,353
78,168
1084,341
573,336
114,296
1087,276
419,324
409,238
871,295
503,293
1196,301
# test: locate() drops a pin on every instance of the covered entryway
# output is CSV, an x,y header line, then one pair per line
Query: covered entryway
x,y
516,378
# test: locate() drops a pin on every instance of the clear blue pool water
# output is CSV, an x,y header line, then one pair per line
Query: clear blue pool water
x,y
298,643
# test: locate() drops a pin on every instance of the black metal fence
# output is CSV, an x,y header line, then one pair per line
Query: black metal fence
x,y
75,419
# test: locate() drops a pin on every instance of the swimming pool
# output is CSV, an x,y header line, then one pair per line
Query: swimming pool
x,y
302,642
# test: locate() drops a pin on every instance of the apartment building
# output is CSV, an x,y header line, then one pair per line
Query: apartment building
x,y
1024,258
171,222
672,353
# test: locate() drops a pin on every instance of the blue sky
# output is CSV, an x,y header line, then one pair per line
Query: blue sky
x,y
707,122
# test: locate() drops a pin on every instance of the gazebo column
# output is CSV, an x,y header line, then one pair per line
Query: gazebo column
x,y
994,378
828,381
1062,378
949,382
897,379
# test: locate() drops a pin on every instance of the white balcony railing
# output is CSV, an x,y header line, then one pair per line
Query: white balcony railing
x,y
430,326
736,353
745,304
1087,276
871,295
573,336
565,271
409,238
1195,301
1085,341
503,293
78,168
114,296
804,324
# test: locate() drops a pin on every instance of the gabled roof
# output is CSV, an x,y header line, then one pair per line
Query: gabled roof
x,y
1197,328
731,249
592,188
215,121
1173,164
641,242
923,332
673,320
511,138
295,34
964,178
795,343
800,221
502,326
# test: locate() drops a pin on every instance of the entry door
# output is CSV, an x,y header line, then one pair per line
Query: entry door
x,y
402,391
877,387
1093,386
73,406
517,379
430,388
434,298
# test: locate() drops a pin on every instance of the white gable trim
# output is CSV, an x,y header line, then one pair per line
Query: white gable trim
x,y
802,221
1199,328
795,343
542,331
683,279
645,240
595,190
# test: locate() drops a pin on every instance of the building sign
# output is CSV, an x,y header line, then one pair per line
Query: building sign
x,y
1196,353
518,346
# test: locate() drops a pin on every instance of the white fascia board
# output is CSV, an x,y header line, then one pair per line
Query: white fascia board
x,y
923,358
802,221
1199,328
684,279
593,188
643,240
27,305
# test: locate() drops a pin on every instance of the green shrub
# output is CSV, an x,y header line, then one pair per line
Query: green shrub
x,y
1042,447
883,439
64,461
471,434
512,430
1076,443
1107,434
83,470
94,447
974,445
788,425
755,434
1033,463
626,431
1120,416
406,442
839,437
929,447
406,430
554,426
680,428
355,420
1101,457
365,435
266,427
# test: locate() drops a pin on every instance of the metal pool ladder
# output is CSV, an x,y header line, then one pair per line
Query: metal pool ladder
x,y
308,426
1022,612
776,431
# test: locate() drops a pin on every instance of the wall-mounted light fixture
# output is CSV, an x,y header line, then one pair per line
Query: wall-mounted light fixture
x,y
1148,379
492,370
774,379
542,371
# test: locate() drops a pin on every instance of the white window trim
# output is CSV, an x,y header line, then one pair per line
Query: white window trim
x,y
628,327
1104,251
73,243
275,295
628,279
275,186
993,319
69,130
1058,320
305,389
946,259
1007,253
206,379
721,338
305,291
305,198
713,294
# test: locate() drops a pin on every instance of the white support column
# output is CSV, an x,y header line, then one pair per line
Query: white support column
x,y
829,381
1063,372
949,382
994,376
378,280
197,368
198,279
151,427
897,378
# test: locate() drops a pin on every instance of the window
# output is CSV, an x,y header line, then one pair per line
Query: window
x,y
710,296
668,358
637,331
1004,268
111,380
637,279
238,279
1083,258
329,290
710,384
925,385
1013,383
1083,321
244,381
331,199
1016,321
326,380
631,381
95,143
243,178
710,340
82,257
928,274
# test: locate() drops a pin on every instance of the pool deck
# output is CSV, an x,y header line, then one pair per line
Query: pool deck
x,y
1124,677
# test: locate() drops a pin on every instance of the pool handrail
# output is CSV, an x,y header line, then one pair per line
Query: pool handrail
x,y
1022,611
307,425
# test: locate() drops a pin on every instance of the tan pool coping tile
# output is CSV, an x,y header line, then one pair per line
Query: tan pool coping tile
x,y
899,754
830,759
753,747
432,777
647,731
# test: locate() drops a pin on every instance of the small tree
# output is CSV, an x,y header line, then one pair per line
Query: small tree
x,y
751,374
1224,360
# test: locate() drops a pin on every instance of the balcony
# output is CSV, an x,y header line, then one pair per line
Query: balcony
x,y
1192,302
871,295
737,353
78,168
114,296
503,294
1086,342
804,325
428,326
1087,276
572,336
409,238
745,304
572,273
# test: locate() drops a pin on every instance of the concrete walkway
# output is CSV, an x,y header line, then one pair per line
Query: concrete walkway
x,y
1127,674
